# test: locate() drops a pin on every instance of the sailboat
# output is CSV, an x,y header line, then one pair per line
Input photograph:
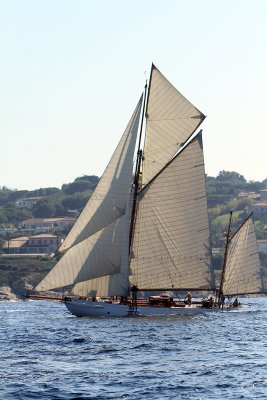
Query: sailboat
x,y
145,229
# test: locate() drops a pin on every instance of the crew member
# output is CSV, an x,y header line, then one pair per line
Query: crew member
x,y
188,299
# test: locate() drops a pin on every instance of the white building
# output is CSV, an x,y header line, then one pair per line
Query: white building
x,y
47,224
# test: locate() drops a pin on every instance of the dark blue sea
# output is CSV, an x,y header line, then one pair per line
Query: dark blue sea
x,y
46,353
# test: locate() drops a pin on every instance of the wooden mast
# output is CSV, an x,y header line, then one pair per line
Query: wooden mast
x,y
137,172
225,257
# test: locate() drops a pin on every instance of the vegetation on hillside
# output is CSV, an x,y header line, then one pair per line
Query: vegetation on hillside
x,y
53,202
222,196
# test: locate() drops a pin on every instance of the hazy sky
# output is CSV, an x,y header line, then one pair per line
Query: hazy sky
x,y
72,71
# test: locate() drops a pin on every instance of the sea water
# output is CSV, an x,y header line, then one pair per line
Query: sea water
x,y
46,353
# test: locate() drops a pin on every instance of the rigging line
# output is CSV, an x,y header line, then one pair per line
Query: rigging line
x,y
241,225
178,118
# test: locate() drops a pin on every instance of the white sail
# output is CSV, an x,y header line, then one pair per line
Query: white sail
x,y
242,269
109,285
171,119
108,201
115,283
171,240
100,255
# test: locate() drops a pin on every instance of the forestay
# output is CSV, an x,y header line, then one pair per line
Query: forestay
x,y
171,238
242,270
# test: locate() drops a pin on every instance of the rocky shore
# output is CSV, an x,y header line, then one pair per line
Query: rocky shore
x,y
18,275
16,292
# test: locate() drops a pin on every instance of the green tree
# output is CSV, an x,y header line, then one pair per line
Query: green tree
x,y
90,178
76,201
231,176
52,191
77,186
59,210
17,194
3,218
217,260
10,212
23,213
254,186
263,259
44,208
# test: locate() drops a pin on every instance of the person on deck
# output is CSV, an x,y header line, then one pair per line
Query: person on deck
x,y
236,303
211,302
188,299
222,300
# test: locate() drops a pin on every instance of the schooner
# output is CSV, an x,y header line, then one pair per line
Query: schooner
x,y
145,227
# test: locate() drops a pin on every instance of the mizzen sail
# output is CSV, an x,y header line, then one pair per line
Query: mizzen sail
x,y
242,270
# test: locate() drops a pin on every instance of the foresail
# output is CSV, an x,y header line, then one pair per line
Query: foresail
x,y
171,246
98,256
108,201
110,285
242,269
171,119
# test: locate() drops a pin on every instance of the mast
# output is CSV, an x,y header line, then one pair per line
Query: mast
x,y
225,256
137,172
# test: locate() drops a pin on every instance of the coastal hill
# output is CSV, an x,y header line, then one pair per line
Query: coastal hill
x,y
18,274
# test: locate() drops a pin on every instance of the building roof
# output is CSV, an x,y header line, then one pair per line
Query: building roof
x,y
259,205
17,242
30,198
36,220
44,235
262,241
250,195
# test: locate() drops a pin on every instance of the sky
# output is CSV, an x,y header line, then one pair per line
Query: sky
x,y
72,71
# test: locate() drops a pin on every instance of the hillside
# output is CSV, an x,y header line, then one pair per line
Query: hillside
x,y
19,274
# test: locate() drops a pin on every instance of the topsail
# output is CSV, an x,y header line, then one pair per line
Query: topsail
x,y
170,121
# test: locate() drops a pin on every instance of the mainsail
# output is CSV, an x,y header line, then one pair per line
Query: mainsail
x,y
242,269
171,238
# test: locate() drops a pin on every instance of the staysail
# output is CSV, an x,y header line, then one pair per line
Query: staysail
x,y
97,257
242,269
171,247
108,201
170,121
97,244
